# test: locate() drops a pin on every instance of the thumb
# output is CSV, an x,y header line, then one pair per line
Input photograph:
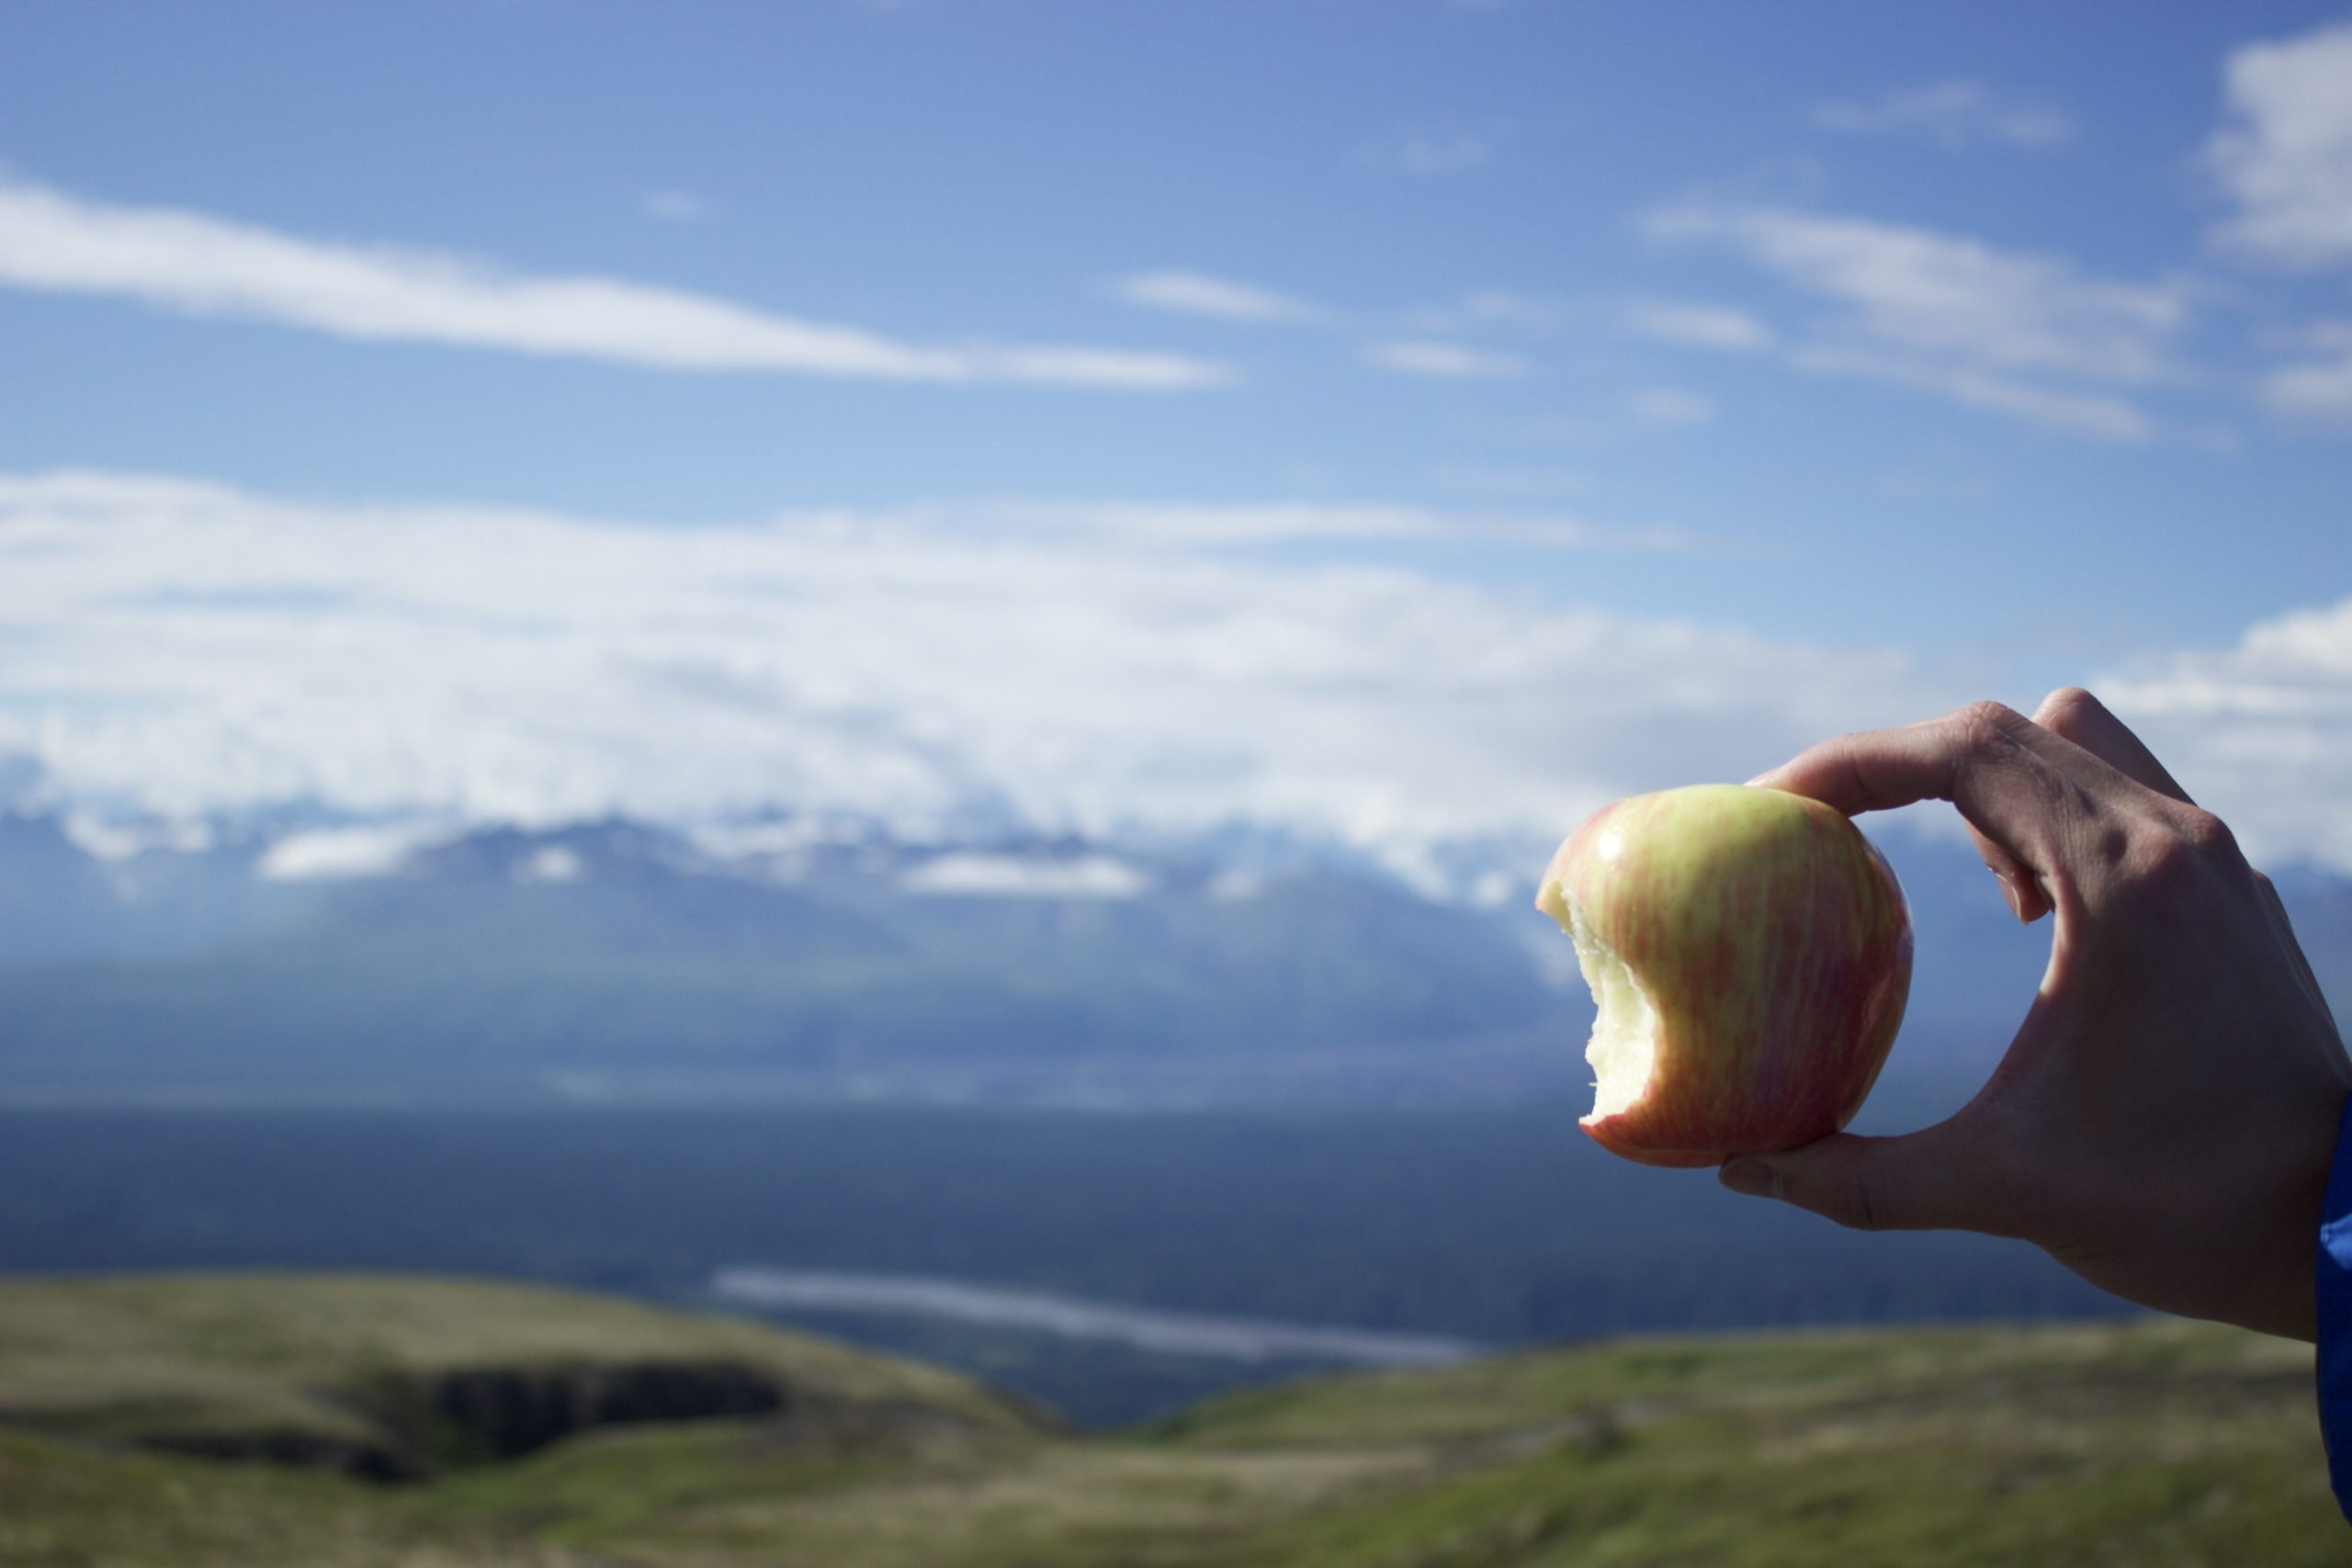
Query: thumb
x,y
1922,1180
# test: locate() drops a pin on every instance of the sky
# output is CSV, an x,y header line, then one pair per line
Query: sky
x,y
1402,422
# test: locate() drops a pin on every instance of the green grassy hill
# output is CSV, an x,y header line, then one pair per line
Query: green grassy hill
x,y
2151,1444
401,1378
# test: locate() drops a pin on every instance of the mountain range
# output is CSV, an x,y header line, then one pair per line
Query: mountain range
x,y
795,960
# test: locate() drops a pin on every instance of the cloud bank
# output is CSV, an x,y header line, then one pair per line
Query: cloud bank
x,y
186,648
202,265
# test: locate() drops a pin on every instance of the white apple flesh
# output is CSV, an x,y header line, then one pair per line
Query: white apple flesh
x,y
1749,955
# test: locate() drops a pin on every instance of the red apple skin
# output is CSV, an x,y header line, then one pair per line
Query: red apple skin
x,y
1773,941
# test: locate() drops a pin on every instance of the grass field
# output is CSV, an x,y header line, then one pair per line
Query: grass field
x,y
2154,1444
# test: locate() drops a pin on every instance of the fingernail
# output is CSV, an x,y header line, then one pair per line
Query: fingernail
x,y
2010,892
1751,1177
1761,777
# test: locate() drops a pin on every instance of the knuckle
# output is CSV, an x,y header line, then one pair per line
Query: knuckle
x,y
2206,833
2067,704
1985,724
2164,860
2180,865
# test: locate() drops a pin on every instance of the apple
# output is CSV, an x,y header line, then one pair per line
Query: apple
x,y
1750,952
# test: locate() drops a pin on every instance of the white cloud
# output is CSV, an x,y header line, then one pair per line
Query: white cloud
x,y
1446,361
968,873
1530,482
1501,308
1443,151
329,854
2008,331
1946,295
204,266
2261,732
2285,154
2319,388
1698,326
1956,114
2096,416
1197,294
1197,526
551,863
1486,310
673,206
1669,406
181,648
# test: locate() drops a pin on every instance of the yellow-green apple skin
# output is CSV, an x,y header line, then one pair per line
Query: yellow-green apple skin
x,y
1773,942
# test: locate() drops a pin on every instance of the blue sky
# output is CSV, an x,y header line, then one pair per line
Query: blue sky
x,y
1384,418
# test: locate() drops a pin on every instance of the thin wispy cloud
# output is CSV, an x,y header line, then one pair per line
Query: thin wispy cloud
x,y
1222,298
2319,386
1200,526
1446,361
1695,325
1504,309
1520,482
2024,335
2096,416
2284,154
1958,113
673,206
1443,150
1669,406
195,263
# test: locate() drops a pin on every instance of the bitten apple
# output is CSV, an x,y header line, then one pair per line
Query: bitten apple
x,y
1750,952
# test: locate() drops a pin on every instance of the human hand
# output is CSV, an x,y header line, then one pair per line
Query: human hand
x,y
2164,1122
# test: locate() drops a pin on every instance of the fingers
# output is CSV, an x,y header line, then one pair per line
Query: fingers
x,y
1937,1178
2009,776
2082,718
2046,812
1879,769
2078,716
2073,713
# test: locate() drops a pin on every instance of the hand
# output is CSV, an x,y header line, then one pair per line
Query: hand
x,y
2164,1122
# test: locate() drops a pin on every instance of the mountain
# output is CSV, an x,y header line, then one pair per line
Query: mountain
x,y
794,960
2119,1442
616,960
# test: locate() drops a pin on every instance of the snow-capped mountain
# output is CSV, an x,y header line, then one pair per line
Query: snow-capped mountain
x,y
792,958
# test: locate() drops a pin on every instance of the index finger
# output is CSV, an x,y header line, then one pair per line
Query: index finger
x,y
2014,782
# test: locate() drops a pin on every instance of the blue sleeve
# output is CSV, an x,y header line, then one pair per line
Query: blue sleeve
x,y
2334,1271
